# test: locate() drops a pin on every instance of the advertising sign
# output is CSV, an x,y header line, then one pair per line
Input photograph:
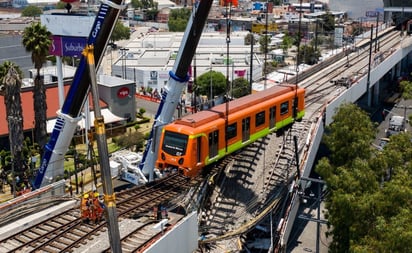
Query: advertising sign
x,y
73,46
56,46
372,14
123,92
67,46
68,25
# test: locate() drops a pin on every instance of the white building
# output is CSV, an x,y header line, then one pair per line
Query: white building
x,y
148,59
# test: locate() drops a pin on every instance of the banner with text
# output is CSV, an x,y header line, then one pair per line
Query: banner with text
x,y
67,46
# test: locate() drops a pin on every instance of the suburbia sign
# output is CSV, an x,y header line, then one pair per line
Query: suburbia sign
x,y
67,46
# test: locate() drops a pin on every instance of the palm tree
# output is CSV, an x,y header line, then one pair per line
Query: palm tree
x,y
10,80
36,39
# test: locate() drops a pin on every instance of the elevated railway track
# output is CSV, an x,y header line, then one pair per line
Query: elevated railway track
x,y
275,163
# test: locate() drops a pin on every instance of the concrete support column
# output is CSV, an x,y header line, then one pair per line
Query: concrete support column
x,y
393,73
404,66
376,92
398,69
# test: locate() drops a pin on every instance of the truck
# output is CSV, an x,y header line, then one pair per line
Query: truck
x,y
396,125
52,162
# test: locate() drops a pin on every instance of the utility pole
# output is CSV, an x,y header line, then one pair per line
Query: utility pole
x,y
368,81
252,41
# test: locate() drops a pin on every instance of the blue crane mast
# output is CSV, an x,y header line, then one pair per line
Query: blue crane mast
x,y
52,163
53,157
179,77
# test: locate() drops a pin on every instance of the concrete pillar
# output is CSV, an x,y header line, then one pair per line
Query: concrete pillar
x,y
393,74
404,66
398,70
376,92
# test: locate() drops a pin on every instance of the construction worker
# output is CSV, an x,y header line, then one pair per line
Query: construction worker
x,y
97,207
91,208
84,208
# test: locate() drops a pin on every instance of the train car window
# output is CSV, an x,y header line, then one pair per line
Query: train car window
x,y
272,116
260,118
231,131
284,108
175,143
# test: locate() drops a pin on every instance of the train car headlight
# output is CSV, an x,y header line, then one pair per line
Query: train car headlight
x,y
181,161
163,156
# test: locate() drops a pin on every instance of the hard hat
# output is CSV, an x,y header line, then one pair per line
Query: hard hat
x,y
86,196
96,194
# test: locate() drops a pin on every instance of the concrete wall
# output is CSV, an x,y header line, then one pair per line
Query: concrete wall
x,y
181,239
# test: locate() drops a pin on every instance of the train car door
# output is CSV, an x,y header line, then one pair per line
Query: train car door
x,y
199,149
213,143
272,117
245,129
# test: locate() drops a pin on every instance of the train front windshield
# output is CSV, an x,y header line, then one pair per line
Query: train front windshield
x,y
175,143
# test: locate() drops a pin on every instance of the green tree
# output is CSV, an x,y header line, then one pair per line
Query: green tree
x,y
308,55
10,79
287,43
132,140
264,41
211,80
120,32
248,39
61,5
368,206
240,87
31,11
328,22
36,39
351,132
150,6
178,19
144,4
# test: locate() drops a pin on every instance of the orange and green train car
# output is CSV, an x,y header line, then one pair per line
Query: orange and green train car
x,y
197,140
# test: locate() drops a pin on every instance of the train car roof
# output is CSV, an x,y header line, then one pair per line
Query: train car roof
x,y
219,111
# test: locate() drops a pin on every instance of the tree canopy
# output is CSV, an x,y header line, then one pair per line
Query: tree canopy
x,y
36,39
264,41
369,203
240,87
308,55
31,11
213,79
120,32
178,19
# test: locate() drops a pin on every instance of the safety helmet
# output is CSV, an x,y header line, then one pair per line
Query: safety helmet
x,y
86,196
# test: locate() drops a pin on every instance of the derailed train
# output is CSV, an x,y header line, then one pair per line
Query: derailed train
x,y
197,140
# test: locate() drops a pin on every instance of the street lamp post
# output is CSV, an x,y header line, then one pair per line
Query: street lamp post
x,y
124,50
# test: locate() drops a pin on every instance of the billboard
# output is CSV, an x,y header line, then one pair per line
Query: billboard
x,y
67,46
68,25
